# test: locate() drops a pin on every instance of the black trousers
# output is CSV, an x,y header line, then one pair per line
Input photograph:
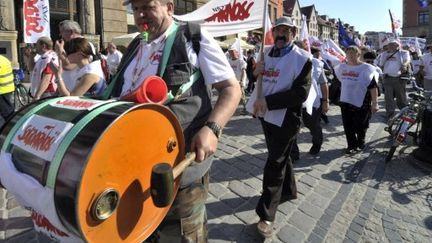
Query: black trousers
x,y
6,105
355,123
312,122
278,172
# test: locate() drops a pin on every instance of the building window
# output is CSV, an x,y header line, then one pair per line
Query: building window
x,y
423,18
275,12
184,6
60,6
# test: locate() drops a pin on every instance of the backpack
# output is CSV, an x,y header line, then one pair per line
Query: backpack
x,y
194,34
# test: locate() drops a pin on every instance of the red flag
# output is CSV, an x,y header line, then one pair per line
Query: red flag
x,y
268,38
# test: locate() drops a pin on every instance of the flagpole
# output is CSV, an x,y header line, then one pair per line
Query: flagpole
x,y
392,24
259,78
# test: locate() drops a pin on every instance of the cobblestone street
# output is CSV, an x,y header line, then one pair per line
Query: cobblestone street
x,y
341,198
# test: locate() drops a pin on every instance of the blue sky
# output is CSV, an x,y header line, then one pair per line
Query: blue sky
x,y
365,15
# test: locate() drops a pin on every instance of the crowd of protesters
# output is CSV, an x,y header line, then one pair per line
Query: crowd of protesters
x,y
72,66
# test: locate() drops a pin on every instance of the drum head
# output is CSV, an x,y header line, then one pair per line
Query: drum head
x,y
120,164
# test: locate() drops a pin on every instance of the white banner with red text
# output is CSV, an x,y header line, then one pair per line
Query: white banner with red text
x,y
36,20
227,17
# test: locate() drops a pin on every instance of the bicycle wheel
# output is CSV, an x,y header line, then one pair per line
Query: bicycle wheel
x,y
22,95
390,153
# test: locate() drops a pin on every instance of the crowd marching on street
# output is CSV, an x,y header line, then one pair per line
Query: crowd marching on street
x,y
285,86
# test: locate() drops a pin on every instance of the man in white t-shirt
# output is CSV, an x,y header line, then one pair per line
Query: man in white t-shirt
x,y
42,76
393,63
194,63
114,57
426,68
239,66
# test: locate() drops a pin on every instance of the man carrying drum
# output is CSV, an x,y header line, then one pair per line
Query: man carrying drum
x,y
194,62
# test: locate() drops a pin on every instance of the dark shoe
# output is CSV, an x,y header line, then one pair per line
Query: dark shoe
x,y
265,228
350,151
361,146
315,149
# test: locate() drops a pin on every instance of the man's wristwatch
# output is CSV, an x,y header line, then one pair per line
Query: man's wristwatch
x,y
216,129
324,100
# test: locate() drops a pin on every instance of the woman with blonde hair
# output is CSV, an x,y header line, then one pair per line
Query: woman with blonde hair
x,y
358,99
90,79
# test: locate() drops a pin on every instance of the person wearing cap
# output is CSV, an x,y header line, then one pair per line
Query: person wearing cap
x,y
286,79
238,64
42,76
7,87
426,68
202,125
394,62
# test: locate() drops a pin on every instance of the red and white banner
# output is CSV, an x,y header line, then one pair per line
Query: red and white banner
x,y
41,136
332,52
268,38
227,17
36,20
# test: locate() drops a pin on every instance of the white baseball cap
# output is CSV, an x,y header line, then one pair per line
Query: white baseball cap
x,y
284,20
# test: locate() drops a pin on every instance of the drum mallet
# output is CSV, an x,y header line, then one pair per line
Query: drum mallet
x,y
162,180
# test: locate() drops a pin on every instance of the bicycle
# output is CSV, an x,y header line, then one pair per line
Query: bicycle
x,y
408,117
21,95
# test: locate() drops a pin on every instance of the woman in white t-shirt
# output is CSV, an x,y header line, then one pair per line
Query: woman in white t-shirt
x,y
90,77
358,97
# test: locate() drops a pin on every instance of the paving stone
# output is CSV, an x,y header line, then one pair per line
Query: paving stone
x,y
242,189
318,200
394,214
356,228
287,208
219,209
308,180
314,238
246,213
291,234
217,190
302,221
310,210
324,192
348,240
254,183
380,209
303,188
232,200
359,220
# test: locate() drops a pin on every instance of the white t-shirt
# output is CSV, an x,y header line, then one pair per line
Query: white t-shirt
x,y
426,60
91,68
355,81
416,65
238,65
113,60
41,63
393,62
211,61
